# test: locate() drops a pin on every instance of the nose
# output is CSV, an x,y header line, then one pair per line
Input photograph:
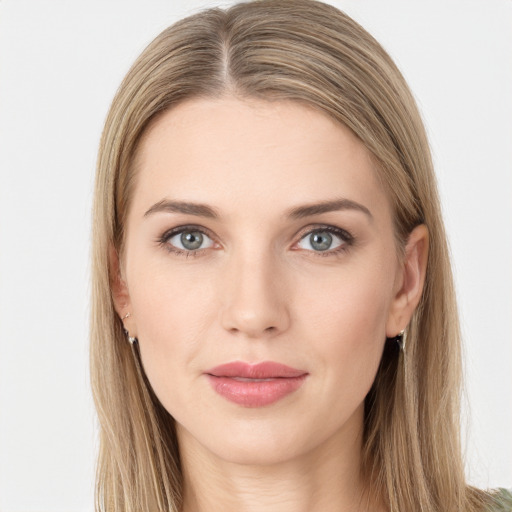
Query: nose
x,y
254,298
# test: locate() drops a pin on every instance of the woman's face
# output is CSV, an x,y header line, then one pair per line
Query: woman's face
x,y
258,233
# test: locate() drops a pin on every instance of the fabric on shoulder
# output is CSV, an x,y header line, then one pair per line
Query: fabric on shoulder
x,y
502,501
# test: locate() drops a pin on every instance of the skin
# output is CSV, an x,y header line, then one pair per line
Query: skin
x,y
260,290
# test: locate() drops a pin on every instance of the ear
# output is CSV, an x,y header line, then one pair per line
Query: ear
x,y
119,288
410,281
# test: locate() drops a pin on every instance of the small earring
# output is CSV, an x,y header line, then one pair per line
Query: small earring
x,y
400,340
130,339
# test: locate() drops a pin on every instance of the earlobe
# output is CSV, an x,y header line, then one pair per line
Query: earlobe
x,y
412,281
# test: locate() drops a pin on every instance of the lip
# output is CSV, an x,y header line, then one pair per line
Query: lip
x,y
255,385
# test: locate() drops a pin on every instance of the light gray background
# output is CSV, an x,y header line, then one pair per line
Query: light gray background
x,y
60,64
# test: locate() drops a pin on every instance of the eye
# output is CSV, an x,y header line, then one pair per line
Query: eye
x,y
186,240
327,240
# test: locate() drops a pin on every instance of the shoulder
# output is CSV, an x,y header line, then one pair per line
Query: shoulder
x,y
501,501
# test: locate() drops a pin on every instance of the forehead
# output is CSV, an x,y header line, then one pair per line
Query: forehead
x,y
253,155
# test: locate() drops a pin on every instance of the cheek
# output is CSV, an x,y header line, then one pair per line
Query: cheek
x,y
172,316
345,319
351,304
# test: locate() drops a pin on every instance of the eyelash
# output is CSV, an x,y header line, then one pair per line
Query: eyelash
x,y
345,236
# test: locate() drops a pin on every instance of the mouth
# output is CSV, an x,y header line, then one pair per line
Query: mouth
x,y
255,385
246,379
260,371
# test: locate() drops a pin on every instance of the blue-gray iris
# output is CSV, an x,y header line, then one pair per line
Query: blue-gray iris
x,y
191,239
322,241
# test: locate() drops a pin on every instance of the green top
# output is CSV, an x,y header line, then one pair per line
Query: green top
x,y
502,501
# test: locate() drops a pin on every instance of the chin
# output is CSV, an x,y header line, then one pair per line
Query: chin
x,y
256,442
257,452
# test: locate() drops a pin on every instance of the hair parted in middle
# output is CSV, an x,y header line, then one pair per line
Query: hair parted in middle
x,y
308,52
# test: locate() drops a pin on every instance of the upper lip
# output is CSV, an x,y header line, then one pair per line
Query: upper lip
x,y
264,370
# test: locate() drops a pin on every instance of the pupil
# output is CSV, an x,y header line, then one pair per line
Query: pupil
x,y
321,242
192,240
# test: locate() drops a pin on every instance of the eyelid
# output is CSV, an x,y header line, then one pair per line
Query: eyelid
x,y
187,227
343,233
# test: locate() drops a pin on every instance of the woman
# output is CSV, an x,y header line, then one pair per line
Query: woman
x,y
274,324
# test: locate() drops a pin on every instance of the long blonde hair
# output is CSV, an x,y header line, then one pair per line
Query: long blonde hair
x,y
308,52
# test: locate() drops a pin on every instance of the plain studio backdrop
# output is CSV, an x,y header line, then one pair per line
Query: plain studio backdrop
x,y
60,64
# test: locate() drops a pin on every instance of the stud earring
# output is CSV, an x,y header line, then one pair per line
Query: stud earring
x,y
400,340
131,339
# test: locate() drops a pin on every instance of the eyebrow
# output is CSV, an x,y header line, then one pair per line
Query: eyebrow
x,y
168,206
298,212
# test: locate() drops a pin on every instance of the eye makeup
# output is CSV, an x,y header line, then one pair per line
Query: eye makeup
x,y
345,240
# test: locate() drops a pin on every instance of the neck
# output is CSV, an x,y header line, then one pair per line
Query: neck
x,y
325,479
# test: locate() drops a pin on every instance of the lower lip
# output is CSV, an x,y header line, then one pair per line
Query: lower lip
x,y
255,393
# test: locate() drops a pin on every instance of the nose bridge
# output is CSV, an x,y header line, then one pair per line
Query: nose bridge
x,y
254,302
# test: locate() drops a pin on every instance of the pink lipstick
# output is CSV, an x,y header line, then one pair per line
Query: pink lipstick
x,y
255,385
